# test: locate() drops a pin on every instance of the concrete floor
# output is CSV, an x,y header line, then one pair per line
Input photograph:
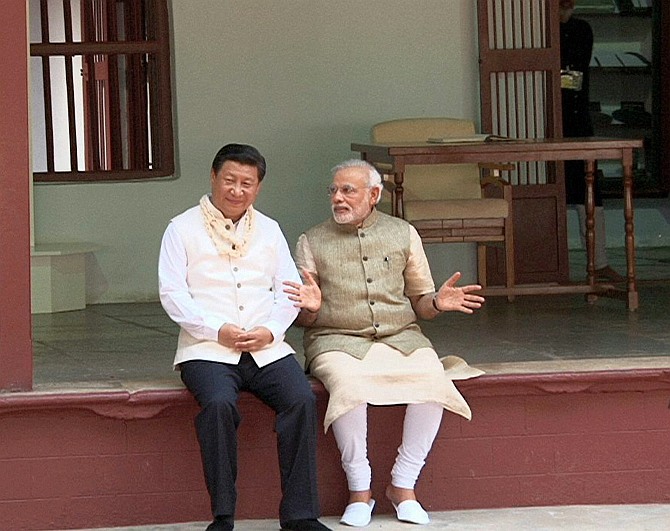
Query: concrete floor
x,y
111,346
581,518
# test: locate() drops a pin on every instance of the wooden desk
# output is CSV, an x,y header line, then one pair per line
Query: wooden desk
x,y
536,150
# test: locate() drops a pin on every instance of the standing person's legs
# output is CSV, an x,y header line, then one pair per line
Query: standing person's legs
x,y
282,385
216,387
575,193
600,258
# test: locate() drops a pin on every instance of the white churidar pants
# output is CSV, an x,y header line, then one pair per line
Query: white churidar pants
x,y
420,427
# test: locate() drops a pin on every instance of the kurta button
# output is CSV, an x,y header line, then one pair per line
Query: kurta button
x,y
241,308
362,235
376,325
239,285
365,259
372,303
227,227
369,281
234,268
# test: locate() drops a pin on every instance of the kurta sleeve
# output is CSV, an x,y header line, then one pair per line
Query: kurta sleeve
x,y
418,277
284,310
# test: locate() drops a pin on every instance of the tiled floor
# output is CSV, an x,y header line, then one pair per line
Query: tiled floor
x,y
132,345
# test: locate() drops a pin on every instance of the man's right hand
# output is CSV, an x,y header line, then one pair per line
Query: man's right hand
x,y
306,295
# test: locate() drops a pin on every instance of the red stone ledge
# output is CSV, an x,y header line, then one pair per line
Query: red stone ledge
x,y
147,402
129,456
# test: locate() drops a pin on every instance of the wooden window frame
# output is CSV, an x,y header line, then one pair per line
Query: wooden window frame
x,y
128,132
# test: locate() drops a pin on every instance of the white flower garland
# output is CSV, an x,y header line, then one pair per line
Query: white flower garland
x,y
225,240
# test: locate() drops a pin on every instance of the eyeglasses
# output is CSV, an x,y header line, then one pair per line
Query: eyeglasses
x,y
346,189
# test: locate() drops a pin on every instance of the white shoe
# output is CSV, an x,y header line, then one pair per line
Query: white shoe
x,y
412,512
358,514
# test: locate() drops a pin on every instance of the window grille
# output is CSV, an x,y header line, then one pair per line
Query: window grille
x,y
101,97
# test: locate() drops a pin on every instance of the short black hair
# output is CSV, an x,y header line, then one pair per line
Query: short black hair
x,y
242,153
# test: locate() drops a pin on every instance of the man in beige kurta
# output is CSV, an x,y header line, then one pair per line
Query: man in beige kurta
x,y
366,281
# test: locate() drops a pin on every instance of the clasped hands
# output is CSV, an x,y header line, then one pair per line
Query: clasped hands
x,y
232,336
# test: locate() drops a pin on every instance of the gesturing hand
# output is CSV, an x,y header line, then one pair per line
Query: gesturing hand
x,y
452,298
306,295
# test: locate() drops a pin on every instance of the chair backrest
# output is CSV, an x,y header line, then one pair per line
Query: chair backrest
x,y
436,181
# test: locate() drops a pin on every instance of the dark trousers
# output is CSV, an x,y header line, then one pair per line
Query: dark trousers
x,y
575,184
281,385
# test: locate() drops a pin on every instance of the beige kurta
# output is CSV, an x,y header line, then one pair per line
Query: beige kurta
x,y
387,377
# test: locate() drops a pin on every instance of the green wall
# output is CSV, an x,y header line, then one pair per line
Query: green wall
x,y
298,79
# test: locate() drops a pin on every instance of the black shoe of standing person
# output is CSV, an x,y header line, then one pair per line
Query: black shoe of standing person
x,y
221,523
311,524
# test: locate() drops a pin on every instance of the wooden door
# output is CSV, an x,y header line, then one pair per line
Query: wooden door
x,y
519,55
661,111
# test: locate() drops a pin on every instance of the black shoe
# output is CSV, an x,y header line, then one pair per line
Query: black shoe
x,y
311,524
221,523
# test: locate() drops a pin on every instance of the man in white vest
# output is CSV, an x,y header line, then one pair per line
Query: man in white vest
x,y
366,281
221,268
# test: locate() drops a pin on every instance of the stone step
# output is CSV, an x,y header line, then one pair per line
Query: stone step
x,y
577,517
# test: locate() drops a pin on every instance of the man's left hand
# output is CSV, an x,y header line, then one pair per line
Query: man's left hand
x,y
452,298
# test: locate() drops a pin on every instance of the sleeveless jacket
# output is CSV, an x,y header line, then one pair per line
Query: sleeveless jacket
x,y
361,278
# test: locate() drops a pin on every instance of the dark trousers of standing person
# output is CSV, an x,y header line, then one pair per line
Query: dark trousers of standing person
x,y
281,385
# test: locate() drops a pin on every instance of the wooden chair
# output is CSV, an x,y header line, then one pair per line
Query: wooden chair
x,y
453,202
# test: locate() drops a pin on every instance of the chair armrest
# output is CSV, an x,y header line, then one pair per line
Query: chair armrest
x,y
384,170
383,167
493,184
491,174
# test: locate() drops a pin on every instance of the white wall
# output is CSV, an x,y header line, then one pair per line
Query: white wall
x,y
300,80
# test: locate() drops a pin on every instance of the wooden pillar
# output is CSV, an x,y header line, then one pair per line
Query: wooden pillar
x,y
662,95
15,318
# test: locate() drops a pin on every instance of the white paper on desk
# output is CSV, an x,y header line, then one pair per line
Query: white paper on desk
x,y
465,139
